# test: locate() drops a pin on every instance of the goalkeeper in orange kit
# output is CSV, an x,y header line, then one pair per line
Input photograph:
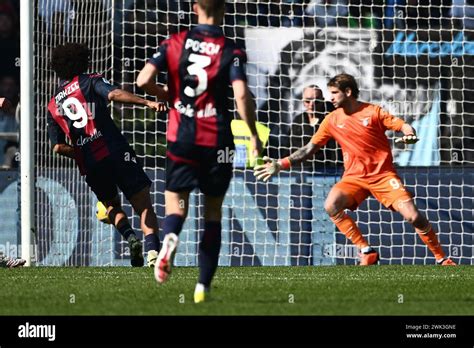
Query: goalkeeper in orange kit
x,y
359,128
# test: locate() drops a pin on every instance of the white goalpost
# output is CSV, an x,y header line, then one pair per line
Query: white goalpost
x,y
27,175
418,68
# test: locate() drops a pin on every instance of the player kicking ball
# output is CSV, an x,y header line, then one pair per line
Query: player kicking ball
x,y
359,128
79,111
201,64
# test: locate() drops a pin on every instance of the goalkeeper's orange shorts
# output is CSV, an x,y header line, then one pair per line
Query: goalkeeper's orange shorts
x,y
386,189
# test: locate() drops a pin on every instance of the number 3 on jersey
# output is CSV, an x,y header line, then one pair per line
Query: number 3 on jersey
x,y
75,112
197,69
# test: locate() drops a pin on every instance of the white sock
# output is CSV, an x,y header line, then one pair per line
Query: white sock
x,y
200,287
366,249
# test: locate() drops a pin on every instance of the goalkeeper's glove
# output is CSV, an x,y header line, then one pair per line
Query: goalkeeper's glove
x,y
407,139
271,167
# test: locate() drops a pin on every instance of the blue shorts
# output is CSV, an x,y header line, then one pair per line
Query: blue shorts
x,y
190,166
117,171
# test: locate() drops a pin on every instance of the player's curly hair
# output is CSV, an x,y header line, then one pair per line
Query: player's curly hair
x,y
70,60
212,8
343,81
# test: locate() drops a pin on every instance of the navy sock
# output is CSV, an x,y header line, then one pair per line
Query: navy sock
x,y
125,230
209,251
152,242
173,224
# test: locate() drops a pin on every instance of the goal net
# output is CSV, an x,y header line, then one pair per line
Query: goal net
x,y
414,60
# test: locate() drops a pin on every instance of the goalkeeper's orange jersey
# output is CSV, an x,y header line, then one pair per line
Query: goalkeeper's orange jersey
x,y
361,135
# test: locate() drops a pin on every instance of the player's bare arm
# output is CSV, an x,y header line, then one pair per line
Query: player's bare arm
x,y
304,153
273,166
146,81
64,150
5,104
119,95
246,110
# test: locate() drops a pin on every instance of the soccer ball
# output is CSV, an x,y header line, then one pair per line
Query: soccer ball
x,y
101,213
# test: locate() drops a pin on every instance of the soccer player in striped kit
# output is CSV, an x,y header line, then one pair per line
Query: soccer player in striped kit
x,y
79,111
201,64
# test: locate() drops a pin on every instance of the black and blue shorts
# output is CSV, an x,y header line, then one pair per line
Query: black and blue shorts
x,y
117,171
189,166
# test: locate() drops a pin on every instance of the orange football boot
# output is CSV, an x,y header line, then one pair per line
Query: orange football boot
x,y
370,258
448,262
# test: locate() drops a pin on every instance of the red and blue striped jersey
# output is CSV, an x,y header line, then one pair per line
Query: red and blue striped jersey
x,y
201,64
79,110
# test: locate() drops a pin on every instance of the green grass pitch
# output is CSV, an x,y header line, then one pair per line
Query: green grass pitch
x,y
318,290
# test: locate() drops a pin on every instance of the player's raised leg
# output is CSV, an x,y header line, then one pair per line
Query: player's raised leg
x,y
176,210
209,246
336,203
120,221
141,203
422,226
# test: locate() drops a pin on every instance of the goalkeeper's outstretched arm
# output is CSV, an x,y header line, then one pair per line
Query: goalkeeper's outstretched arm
x,y
398,125
303,154
273,166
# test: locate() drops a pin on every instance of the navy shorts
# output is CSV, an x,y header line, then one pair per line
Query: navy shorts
x,y
120,170
190,166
